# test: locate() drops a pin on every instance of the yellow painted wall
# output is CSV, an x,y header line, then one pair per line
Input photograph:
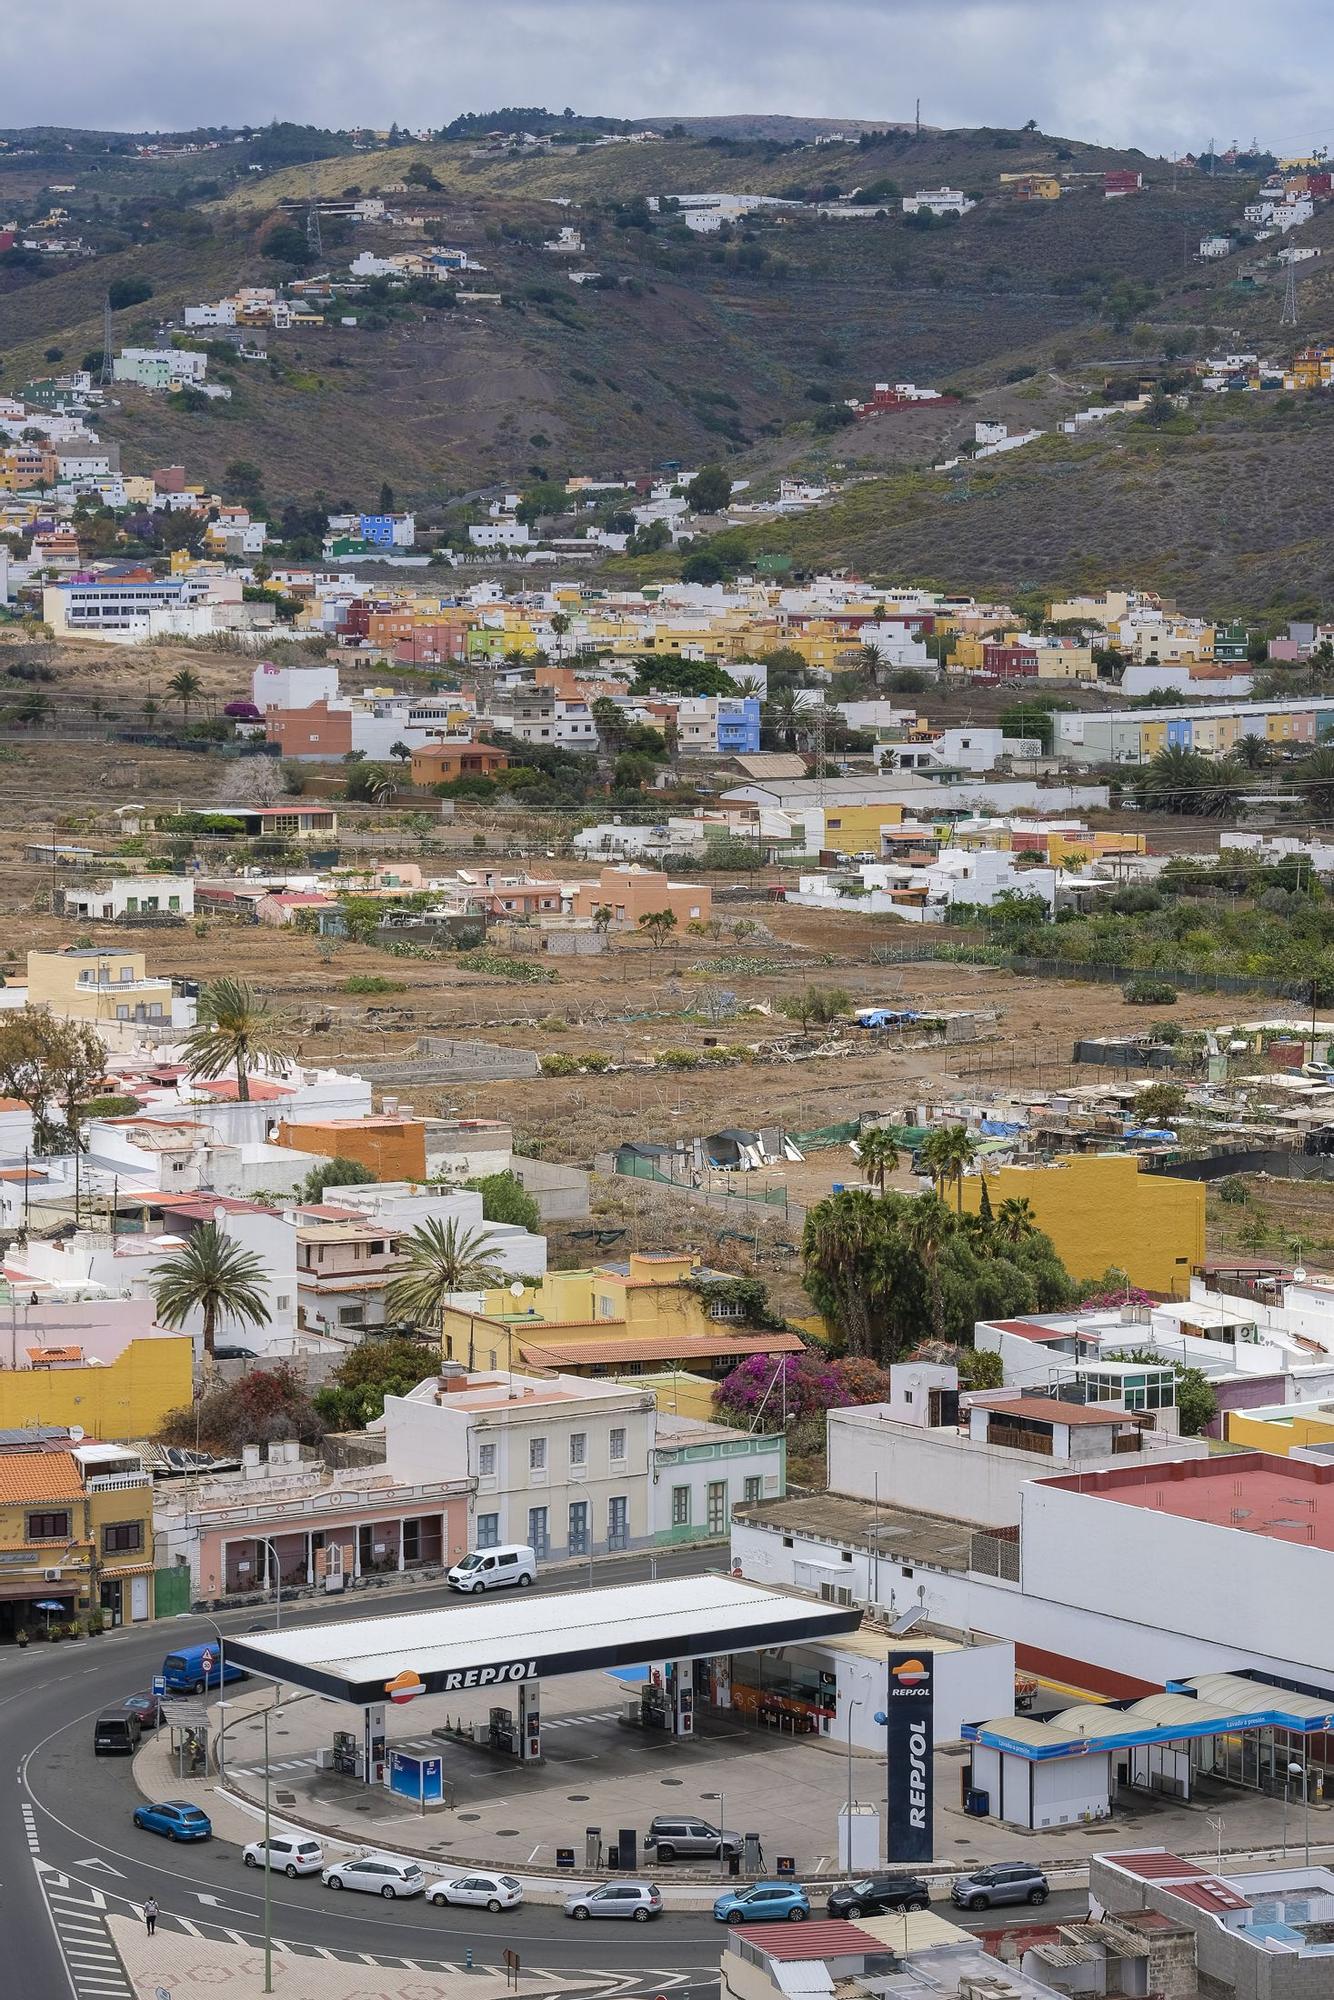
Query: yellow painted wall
x,y
129,1398
594,1304
856,829
1099,1210
1279,1435
680,1394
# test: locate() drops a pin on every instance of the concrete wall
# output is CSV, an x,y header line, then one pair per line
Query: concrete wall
x,y
1099,1211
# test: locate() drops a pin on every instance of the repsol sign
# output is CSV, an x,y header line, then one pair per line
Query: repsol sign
x,y
485,1677
909,1701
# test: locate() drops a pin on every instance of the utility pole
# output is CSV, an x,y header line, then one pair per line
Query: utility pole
x,y
106,374
1288,316
917,121
314,243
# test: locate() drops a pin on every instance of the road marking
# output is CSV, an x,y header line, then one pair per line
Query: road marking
x,y
96,1861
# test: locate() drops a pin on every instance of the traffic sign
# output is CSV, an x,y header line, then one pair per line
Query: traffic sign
x,y
159,1685
206,1660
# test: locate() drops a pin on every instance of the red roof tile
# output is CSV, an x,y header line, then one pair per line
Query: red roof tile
x,y
832,1938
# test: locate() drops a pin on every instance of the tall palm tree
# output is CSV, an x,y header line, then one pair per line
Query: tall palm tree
x,y
442,1259
186,686
927,1227
212,1275
947,1153
879,1156
235,1030
1015,1219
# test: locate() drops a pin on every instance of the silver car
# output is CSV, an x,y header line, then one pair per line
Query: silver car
x,y
999,1882
636,1900
378,1875
668,1837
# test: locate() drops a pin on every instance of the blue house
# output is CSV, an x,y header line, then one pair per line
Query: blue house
x,y
738,725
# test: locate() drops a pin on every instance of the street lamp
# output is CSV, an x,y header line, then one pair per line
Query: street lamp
x,y
722,1827
270,1548
1299,1770
856,1702
268,1866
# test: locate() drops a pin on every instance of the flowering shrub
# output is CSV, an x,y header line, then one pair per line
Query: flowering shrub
x,y
796,1386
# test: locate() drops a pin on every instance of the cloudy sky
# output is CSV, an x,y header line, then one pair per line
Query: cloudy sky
x,y
1161,74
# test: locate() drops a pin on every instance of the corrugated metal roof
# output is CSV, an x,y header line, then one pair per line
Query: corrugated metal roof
x,y
833,1937
1234,1692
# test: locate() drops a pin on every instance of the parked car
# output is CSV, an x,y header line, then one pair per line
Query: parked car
x,y
487,1892
176,1820
494,1569
876,1895
235,1354
116,1734
637,1900
1002,1882
764,1903
294,1853
378,1875
669,1837
146,1706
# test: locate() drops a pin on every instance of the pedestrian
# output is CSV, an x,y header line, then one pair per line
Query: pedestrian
x,y
150,1915
759,1853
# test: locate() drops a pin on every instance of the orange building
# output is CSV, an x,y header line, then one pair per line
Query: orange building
x,y
393,1148
317,731
632,893
440,763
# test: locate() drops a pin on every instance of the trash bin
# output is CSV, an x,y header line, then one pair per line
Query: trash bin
x,y
977,1803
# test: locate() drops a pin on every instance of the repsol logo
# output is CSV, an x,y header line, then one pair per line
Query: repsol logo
x,y
918,1752
485,1677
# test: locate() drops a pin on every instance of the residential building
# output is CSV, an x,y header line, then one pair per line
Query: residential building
x,y
393,1147
558,1463
701,1470
631,893
444,762
76,1528
160,367
937,201
123,607
107,988
1257,1931
1101,1212
129,897
1135,736
97,1363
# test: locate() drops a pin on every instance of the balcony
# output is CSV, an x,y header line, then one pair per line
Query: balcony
x,y
117,1482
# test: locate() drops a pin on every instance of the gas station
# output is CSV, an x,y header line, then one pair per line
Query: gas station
x,y
682,1634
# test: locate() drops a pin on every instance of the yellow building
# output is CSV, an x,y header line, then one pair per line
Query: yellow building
x,y
1100,1211
1064,660
76,1529
614,1319
856,829
680,1394
1280,1428
129,1397
97,985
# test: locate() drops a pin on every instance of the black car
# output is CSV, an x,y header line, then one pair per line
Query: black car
x,y
235,1354
146,1706
877,1896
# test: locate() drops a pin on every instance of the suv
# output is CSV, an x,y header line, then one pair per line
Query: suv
x,y
670,1837
1002,1882
116,1734
875,1895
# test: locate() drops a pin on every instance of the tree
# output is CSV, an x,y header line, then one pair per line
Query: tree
x,y
47,1063
1015,1219
122,292
1315,777
1159,1104
373,1370
185,686
657,926
442,1259
265,1406
213,1276
602,917
336,1172
286,245
243,476
946,1154
879,1155
709,491
368,784
386,498
505,1199
400,752
819,1004
235,1030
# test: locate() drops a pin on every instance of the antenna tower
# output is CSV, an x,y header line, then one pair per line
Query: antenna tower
x,y
1288,316
314,242
105,377
819,719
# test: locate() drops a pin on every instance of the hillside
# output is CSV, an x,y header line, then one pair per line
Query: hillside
x,y
710,346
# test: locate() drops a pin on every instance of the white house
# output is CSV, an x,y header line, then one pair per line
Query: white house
x,y
500,534
159,367
560,1463
130,896
937,201
1215,246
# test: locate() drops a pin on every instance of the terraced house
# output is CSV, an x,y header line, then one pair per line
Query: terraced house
x,y
76,1532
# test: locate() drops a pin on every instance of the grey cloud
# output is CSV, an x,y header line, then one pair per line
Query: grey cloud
x,y
1161,74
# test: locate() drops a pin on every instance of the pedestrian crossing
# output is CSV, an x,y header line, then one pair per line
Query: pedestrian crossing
x,y
79,1918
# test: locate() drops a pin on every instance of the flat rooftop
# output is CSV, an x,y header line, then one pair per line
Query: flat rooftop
x,y
526,1637
845,1523
1285,1499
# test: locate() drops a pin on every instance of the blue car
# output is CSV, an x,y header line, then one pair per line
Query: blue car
x,y
764,1903
176,1820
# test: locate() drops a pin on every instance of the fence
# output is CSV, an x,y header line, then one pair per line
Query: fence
x,y
1100,975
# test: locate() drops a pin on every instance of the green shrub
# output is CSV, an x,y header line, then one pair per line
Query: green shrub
x,y
372,982
559,1064
1150,993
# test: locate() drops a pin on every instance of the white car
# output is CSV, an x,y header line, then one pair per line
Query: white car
x,y
294,1853
378,1875
487,1892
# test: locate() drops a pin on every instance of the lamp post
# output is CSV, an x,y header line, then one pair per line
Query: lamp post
x,y
722,1827
1301,1770
268,1867
270,1548
856,1702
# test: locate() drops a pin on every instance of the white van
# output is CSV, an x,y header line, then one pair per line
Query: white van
x,y
492,1569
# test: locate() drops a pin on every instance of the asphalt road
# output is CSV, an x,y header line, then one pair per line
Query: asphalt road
x,y
69,1852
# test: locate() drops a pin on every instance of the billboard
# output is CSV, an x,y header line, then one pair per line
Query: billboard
x,y
908,1743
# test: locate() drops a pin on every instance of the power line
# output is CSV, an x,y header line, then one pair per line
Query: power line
x,y
1288,317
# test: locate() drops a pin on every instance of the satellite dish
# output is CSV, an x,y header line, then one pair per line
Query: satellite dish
x,y
76,1433
516,1290
1298,1276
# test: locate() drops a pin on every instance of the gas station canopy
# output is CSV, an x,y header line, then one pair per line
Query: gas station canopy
x,y
512,1636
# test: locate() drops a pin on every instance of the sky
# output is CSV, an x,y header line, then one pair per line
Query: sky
x,y
1164,75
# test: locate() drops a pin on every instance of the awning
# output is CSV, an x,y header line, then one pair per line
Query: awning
x,y
1170,1717
517,1637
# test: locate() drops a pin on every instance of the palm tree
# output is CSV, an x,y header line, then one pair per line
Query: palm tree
x,y
946,1155
784,714
235,1031
879,1156
442,1259
186,686
1316,781
927,1227
1253,752
212,1275
1015,1219
749,685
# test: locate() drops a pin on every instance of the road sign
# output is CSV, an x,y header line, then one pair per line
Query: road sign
x,y
159,1686
206,1660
